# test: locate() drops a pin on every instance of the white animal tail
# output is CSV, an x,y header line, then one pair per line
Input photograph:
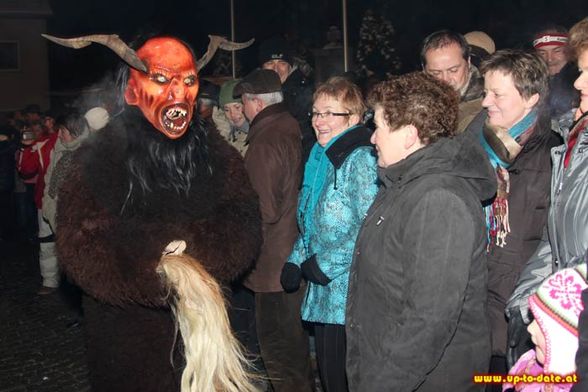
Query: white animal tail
x,y
214,359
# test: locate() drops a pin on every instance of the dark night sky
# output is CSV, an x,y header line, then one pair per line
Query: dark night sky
x,y
509,22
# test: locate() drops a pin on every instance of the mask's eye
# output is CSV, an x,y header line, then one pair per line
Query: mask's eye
x,y
190,80
159,78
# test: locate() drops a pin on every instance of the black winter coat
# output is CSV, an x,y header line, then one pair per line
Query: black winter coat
x,y
416,316
562,94
528,203
298,92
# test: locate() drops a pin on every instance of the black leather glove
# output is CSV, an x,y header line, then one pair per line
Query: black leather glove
x,y
313,273
519,340
291,277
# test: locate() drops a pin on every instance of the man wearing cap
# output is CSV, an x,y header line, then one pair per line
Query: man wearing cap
x,y
551,44
273,162
277,55
445,55
481,46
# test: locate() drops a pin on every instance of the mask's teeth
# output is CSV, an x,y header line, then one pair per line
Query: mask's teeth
x,y
175,113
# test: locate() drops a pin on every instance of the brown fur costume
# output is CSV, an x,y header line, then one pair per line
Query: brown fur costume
x,y
111,235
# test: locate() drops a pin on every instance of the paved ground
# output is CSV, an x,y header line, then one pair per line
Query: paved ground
x,y
39,349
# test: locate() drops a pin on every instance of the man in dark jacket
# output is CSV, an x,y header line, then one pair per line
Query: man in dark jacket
x,y
277,55
416,311
551,43
273,163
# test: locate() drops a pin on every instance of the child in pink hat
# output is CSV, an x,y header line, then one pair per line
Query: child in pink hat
x,y
556,307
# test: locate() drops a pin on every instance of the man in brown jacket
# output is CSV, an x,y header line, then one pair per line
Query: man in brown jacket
x,y
273,162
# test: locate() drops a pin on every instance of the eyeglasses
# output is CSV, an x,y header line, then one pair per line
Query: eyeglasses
x,y
326,115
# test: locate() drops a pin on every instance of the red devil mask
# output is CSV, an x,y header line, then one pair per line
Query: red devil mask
x,y
167,92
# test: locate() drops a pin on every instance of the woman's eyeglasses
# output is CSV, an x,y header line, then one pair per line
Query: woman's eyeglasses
x,y
326,115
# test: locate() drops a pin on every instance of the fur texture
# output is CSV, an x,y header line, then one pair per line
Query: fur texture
x,y
111,233
128,195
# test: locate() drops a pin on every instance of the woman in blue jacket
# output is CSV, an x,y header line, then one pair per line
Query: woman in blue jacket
x,y
338,188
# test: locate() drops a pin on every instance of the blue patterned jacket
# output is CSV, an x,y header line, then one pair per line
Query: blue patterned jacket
x,y
349,188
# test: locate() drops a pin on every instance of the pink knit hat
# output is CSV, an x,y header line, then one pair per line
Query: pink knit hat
x,y
556,306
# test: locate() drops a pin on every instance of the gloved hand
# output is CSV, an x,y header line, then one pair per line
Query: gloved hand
x,y
313,273
291,277
517,336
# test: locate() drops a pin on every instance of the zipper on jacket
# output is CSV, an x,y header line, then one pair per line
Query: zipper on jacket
x,y
559,187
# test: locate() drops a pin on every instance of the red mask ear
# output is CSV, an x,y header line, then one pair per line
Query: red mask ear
x,y
131,93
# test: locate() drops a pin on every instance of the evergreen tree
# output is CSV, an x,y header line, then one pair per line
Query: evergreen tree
x,y
376,55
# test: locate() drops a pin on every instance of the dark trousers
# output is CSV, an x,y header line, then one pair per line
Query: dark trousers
x,y
284,341
242,317
26,212
6,214
330,356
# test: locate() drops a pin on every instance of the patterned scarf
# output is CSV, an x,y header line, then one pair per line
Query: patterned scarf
x,y
236,130
503,146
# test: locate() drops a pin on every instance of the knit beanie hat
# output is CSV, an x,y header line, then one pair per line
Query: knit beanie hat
x,y
556,306
226,93
276,49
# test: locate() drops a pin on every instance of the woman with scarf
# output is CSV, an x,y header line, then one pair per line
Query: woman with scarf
x,y
565,242
514,129
340,183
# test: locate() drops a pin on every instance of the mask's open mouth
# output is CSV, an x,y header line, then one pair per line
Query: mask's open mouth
x,y
175,118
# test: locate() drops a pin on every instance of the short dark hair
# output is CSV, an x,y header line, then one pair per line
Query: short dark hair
x,y
527,70
441,39
421,100
551,28
75,123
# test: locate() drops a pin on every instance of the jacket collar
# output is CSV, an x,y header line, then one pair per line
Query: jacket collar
x,y
346,144
267,112
474,88
396,174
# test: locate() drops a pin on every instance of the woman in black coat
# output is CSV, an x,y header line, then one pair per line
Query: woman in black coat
x,y
416,316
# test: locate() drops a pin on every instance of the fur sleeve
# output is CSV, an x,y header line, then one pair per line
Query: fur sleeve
x,y
113,256
227,241
89,252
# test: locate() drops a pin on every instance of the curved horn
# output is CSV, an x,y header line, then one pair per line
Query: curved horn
x,y
112,41
217,42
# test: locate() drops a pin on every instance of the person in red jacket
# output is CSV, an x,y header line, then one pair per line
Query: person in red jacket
x,y
33,160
